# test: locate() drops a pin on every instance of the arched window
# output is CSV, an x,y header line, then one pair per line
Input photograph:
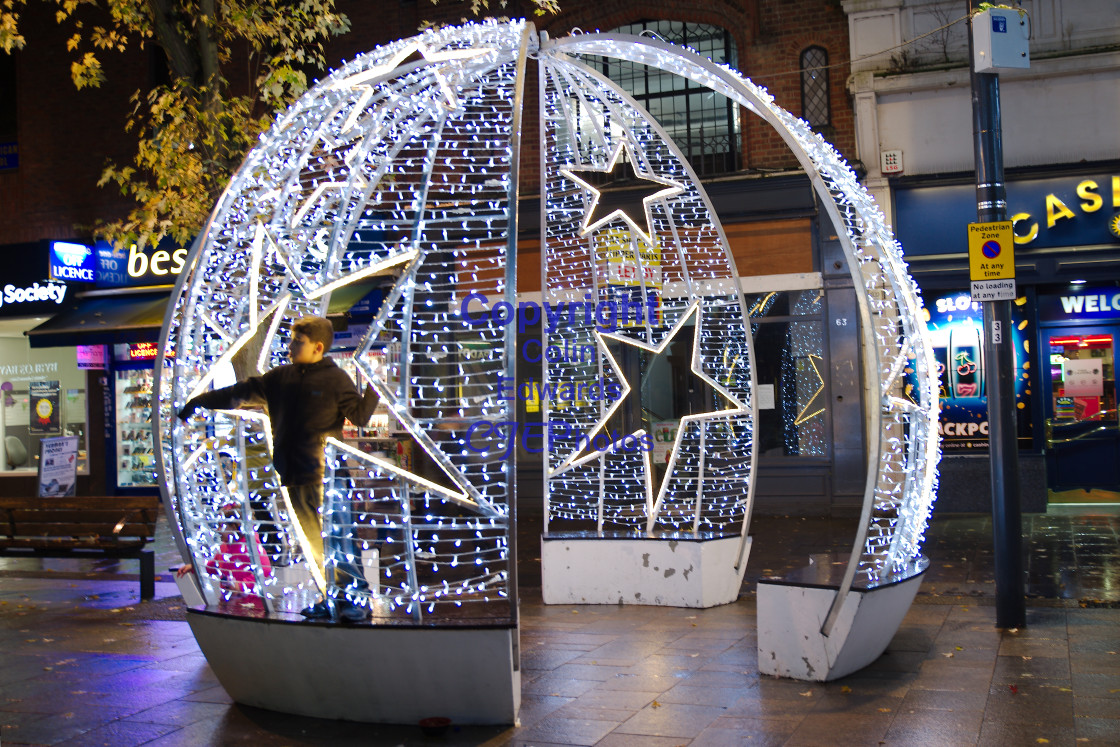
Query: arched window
x,y
816,109
703,124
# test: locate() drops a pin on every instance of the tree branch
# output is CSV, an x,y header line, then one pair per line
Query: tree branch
x,y
181,56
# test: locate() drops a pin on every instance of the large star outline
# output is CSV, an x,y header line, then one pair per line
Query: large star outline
x,y
447,60
608,207
578,458
461,492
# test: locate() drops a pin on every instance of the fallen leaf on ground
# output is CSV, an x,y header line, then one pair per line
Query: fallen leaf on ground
x,y
1014,689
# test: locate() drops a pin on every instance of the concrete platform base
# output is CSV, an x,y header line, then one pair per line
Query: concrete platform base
x,y
389,675
631,569
791,613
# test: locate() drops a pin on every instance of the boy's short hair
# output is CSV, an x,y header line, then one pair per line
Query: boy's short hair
x,y
316,329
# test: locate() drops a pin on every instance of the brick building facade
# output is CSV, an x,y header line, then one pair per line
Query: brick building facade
x,y
65,136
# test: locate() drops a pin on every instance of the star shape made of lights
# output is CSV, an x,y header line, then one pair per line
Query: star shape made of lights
x,y
577,458
461,492
605,208
448,61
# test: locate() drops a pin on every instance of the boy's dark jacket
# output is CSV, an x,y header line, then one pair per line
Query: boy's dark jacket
x,y
306,403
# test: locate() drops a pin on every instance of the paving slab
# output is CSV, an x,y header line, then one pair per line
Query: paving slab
x,y
86,662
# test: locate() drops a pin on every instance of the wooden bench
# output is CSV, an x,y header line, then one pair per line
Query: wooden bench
x,y
111,526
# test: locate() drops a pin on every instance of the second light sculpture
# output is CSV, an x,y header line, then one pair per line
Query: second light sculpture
x,y
662,333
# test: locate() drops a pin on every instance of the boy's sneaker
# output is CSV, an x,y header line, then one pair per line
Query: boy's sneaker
x,y
352,613
318,611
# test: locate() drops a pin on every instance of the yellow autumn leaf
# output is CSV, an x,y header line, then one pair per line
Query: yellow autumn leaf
x,y
845,689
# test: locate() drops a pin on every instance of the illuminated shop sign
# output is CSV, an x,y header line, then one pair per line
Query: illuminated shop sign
x,y
119,266
25,289
132,352
1087,198
142,351
91,356
1081,303
72,262
27,299
956,324
1045,213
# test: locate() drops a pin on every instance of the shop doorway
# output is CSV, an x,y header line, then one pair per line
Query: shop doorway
x,y
1082,427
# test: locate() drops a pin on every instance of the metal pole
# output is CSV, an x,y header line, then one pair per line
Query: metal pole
x,y
999,363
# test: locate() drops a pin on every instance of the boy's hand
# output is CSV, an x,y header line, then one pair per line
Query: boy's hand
x,y
188,410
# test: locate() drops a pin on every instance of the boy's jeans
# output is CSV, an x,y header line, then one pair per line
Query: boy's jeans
x,y
338,544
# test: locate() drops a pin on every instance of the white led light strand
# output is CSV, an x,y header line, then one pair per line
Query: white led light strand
x,y
673,259
903,442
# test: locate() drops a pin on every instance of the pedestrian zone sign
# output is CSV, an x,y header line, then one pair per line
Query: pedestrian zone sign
x,y
991,261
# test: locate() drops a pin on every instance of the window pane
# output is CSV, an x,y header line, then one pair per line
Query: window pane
x,y
703,124
816,108
789,359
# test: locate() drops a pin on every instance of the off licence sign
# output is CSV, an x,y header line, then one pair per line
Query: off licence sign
x,y
991,261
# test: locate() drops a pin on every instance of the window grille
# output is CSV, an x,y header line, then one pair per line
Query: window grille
x,y
703,124
816,109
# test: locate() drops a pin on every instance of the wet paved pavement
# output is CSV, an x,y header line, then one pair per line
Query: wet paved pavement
x,y
86,663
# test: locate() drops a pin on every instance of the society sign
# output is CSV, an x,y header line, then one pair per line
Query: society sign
x,y
991,261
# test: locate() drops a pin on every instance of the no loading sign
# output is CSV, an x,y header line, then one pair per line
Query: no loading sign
x,y
991,261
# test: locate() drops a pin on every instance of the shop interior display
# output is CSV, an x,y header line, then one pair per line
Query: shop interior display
x,y
136,465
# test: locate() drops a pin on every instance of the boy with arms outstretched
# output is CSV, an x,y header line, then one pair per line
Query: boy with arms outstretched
x,y
307,401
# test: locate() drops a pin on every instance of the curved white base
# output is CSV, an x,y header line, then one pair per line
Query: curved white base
x,y
790,617
391,675
641,570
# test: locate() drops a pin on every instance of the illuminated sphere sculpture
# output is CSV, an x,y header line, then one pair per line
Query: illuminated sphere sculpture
x,y
400,169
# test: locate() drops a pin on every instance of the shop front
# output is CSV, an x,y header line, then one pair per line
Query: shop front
x,y
44,394
111,325
1079,331
1066,320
